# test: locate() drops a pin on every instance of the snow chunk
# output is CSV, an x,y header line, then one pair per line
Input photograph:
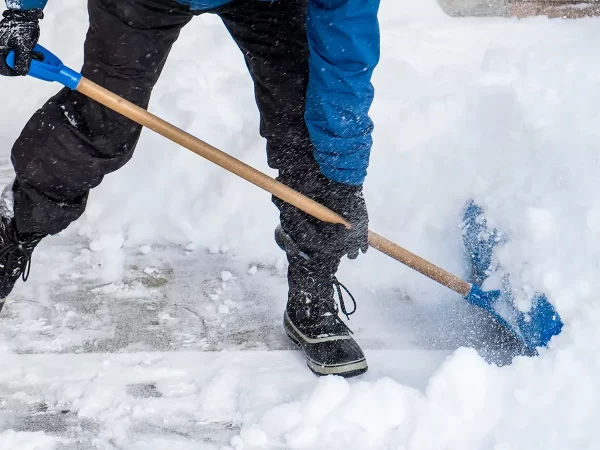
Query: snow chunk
x,y
237,442
226,276
254,436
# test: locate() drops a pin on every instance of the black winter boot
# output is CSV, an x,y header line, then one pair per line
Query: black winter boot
x,y
311,318
15,255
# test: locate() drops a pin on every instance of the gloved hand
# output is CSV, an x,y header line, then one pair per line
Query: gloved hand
x,y
19,31
349,202
315,237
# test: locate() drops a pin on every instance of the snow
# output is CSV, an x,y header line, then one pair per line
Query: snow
x,y
226,276
182,391
500,110
27,441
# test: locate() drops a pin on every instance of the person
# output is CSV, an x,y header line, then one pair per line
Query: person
x,y
311,62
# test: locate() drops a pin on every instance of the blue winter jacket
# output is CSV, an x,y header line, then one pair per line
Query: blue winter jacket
x,y
343,37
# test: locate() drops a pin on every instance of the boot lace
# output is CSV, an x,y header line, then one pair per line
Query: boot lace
x,y
329,310
338,287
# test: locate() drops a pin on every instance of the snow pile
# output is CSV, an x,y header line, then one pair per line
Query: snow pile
x,y
499,110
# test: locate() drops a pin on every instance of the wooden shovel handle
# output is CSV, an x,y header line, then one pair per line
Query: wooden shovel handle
x,y
149,120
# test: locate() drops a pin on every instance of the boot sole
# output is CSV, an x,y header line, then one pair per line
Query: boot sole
x,y
346,370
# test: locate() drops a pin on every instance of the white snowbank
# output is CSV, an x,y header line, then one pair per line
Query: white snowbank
x,y
501,110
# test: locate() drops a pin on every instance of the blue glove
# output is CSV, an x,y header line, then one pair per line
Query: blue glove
x,y
19,32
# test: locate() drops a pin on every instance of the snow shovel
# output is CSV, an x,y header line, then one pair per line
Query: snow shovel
x,y
533,329
542,322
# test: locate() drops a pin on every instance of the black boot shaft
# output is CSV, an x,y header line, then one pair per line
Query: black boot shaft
x,y
15,254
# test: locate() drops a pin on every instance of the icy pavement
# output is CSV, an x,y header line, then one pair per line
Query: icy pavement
x,y
184,349
171,299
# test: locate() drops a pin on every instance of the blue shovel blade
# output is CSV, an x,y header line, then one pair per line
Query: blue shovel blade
x,y
534,328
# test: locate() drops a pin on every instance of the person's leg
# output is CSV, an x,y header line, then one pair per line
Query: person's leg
x,y
69,144
272,36
72,142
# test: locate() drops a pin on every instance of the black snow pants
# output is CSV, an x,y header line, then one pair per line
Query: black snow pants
x,y
72,142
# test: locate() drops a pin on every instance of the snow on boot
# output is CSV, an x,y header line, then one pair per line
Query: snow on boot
x,y
15,255
311,318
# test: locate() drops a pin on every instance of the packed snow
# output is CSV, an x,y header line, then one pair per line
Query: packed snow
x,y
154,322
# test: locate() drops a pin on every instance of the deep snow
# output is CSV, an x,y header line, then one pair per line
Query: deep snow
x,y
501,110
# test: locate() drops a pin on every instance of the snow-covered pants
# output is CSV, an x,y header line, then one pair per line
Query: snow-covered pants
x,y
72,142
